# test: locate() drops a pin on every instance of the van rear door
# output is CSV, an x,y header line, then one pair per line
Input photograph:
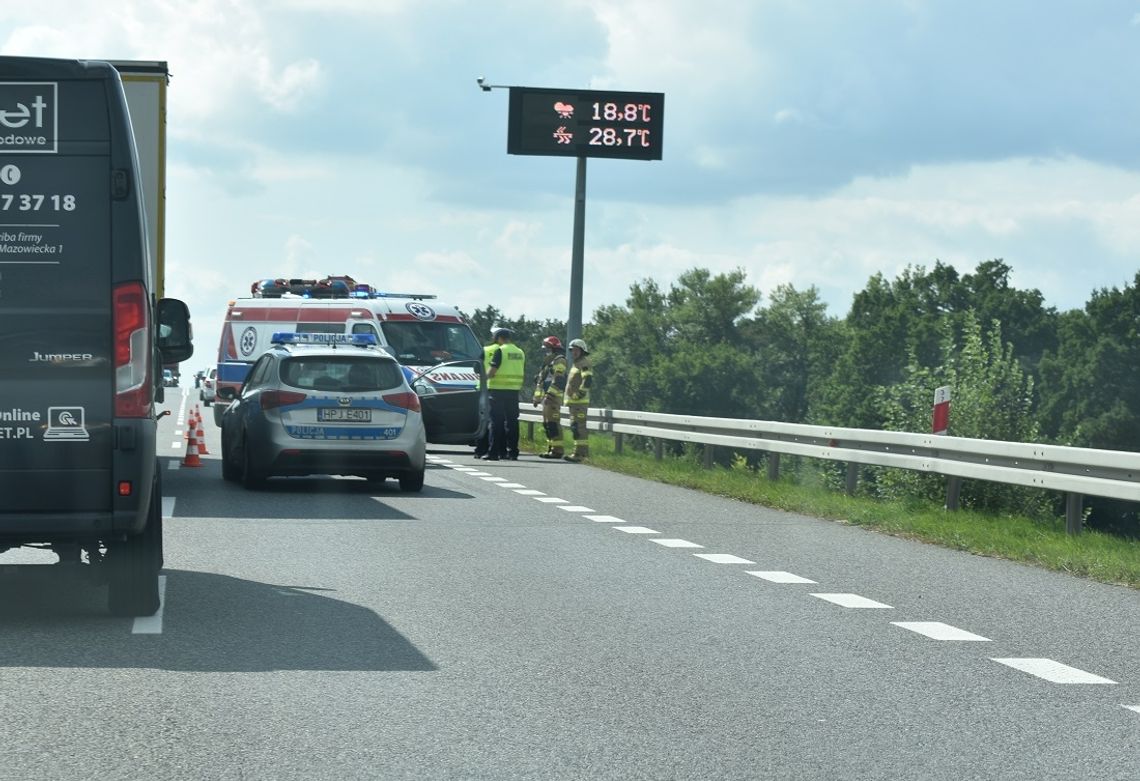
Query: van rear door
x,y
56,356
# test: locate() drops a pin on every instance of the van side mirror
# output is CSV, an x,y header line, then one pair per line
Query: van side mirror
x,y
175,338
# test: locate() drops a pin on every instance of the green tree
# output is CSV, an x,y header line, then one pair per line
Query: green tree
x,y
992,398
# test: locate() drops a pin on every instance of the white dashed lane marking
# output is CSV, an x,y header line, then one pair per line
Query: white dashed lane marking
x,y
478,474
529,492
605,519
550,500
511,485
168,506
1052,671
676,543
574,508
936,630
494,479
852,600
172,465
152,625
1133,708
779,576
176,446
722,558
636,530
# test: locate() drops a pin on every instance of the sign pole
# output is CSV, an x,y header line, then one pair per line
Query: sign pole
x,y
577,254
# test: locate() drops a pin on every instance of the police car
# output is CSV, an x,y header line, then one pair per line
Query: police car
x,y
324,404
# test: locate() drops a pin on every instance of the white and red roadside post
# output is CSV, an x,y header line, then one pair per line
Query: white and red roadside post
x,y
941,419
940,423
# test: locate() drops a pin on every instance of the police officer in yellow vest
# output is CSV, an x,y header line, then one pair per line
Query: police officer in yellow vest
x,y
506,374
578,399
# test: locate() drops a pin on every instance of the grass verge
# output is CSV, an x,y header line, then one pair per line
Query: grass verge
x,y
1092,555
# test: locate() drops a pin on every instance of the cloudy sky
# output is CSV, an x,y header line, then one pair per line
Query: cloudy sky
x,y
811,143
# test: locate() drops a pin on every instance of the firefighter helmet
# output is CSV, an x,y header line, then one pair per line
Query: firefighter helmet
x,y
553,342
580,344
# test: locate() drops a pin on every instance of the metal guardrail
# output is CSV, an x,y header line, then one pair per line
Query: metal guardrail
x,y
1074,471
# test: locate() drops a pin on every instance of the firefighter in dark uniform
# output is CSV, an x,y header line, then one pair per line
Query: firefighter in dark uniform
x,y
506,374
549,386
578,399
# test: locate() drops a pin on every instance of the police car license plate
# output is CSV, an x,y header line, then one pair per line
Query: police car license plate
x,y
344,415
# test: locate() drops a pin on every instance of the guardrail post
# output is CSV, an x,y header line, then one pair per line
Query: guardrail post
x,y
773,466
953,492
1074,506
530,430
710,454
852,477
658,448
617,443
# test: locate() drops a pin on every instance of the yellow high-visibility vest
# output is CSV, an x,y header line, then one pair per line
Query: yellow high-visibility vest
x,y
511,374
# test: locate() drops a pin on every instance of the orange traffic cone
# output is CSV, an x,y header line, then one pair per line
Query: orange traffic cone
x,y
201,434
191,458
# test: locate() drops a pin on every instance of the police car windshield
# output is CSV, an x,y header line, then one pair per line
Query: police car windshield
x,y
431,343
336,374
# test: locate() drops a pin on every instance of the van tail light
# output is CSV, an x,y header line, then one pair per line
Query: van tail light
x,y
408,401
271,399
133,351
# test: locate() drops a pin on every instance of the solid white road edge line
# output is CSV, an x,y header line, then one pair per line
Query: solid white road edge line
x,y
779,576
1052,671
152,625
852,600
635,529
936,630
668,543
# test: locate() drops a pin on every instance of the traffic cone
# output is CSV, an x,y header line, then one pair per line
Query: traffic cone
x,y
191,458
201,434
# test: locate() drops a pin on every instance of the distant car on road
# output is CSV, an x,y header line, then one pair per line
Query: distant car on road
x,y
209,390
168,379
325,404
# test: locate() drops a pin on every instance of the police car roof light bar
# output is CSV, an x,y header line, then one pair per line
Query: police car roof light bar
x,y
356,340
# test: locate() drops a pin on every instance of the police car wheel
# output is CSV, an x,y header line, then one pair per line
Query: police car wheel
x,y
412,481
252,478
229,468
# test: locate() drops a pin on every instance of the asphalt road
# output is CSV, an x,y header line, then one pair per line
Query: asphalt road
x,y
550,621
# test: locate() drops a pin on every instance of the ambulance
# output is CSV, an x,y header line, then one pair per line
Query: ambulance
x,y
439,353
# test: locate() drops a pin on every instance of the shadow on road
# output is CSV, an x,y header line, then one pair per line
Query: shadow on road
x,y
212,623
313,498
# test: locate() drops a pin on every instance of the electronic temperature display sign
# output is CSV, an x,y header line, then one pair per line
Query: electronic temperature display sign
x,y
585,123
